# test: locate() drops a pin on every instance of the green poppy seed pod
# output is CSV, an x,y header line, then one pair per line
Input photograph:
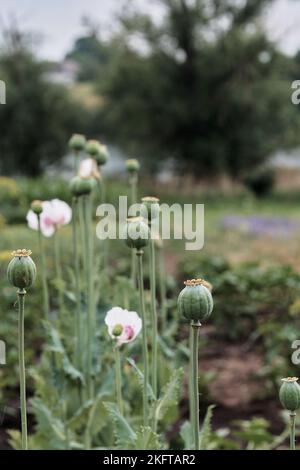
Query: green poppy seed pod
x,y
81,186
150,208
77,142
289,394
132,165
137,233
21,271
195,301
93,147
117,330
102,155
37,207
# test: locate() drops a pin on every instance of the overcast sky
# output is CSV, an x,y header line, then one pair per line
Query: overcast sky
x,y
60,20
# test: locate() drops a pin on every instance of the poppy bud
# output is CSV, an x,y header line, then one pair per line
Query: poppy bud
x,y
37,207
21,271
195,301
289,394
102,156
81,186
132,165
93,147
77,142
137,233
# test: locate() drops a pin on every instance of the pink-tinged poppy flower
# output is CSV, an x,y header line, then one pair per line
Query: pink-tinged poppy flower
x,y
123,325
55,214
88,168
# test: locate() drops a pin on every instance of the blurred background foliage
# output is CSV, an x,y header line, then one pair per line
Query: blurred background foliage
x,y
205,91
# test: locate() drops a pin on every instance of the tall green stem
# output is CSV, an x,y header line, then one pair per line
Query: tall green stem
x,y
144,335
102,189
195,390
82,231
44,270
103,255
118,379
58,270
154,317
21,304
292,430
90,291
133,200
133,188
191,398
162,290
76,160
78,328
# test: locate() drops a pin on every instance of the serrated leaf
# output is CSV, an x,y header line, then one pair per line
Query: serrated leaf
x,y
71,371
79,419
46,420
205,433
186,433
122,430
168,352
70,296
145,439
140,377
56,345
169,395
97,415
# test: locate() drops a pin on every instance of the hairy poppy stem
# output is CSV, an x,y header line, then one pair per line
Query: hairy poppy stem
x,y
133,200
44,270
292,430
21,305
195,387
58,269
154,317
118,379
139,254
90,291
78,328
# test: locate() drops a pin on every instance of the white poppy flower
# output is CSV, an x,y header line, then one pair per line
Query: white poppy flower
x,y
55,214
123,325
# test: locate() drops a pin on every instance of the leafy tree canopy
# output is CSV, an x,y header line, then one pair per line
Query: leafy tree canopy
x,y
38,116
204,88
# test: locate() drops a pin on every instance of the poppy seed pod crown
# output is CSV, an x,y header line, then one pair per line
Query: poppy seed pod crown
x,y
195,301
289,394
21,271
81,186
77,142
137,233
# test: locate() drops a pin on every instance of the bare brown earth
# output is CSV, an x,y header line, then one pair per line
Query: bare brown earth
x,y
236,383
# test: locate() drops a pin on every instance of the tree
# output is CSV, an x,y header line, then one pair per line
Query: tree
x,y
206,89
38,117
90,52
